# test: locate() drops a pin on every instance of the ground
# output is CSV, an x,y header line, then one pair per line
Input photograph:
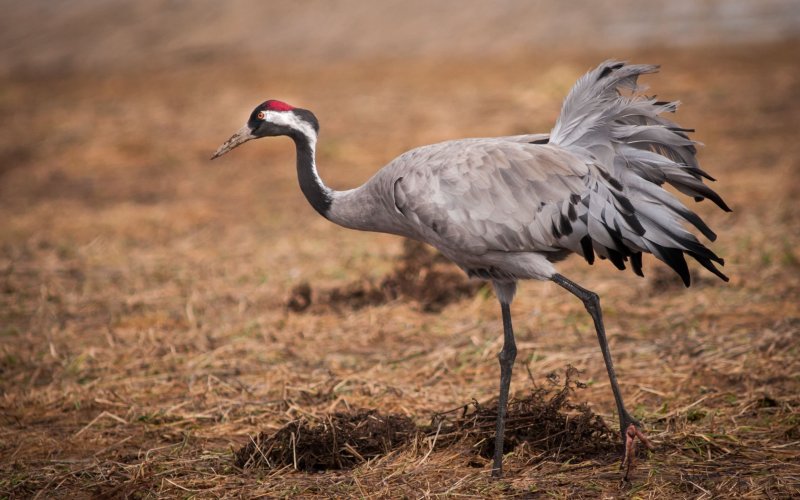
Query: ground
x,y
149,316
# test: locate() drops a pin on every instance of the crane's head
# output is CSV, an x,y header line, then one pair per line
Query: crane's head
x,y
272,118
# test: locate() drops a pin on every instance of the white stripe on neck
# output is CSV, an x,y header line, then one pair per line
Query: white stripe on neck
x,y
289,119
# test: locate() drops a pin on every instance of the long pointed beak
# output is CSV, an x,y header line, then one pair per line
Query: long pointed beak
x,y
241,136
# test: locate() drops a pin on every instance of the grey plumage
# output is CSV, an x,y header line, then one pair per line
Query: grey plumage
x,y
509,208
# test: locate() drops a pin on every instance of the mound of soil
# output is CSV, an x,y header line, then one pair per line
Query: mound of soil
x,y
420,274
339,441
545,420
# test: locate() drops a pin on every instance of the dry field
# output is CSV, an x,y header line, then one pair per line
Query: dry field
x,y
146,332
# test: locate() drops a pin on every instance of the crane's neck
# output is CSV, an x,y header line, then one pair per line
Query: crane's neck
x,y
317,193
357,208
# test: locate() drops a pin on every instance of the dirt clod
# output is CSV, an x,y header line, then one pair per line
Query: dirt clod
x,y
300,298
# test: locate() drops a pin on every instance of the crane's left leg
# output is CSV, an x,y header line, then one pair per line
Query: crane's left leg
x,y
505,293
629,426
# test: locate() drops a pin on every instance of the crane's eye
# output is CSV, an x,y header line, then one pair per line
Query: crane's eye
x,y
260,115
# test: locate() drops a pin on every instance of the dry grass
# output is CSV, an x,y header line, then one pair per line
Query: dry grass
x,y
144,333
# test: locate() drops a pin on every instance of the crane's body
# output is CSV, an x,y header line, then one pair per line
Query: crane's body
x,y
506,209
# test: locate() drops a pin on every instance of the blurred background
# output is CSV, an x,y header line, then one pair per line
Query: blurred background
x,y
87,34
146,293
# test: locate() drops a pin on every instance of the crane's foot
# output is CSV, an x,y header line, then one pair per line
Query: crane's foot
x,y
631,435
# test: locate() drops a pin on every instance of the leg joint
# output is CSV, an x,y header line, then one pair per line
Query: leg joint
x,y
508,354
592,301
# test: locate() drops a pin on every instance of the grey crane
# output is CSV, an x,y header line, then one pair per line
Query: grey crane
x,y
508,208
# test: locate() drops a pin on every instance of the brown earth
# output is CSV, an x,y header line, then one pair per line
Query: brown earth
x,y
145,331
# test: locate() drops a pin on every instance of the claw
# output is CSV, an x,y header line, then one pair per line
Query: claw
x,y
632,433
